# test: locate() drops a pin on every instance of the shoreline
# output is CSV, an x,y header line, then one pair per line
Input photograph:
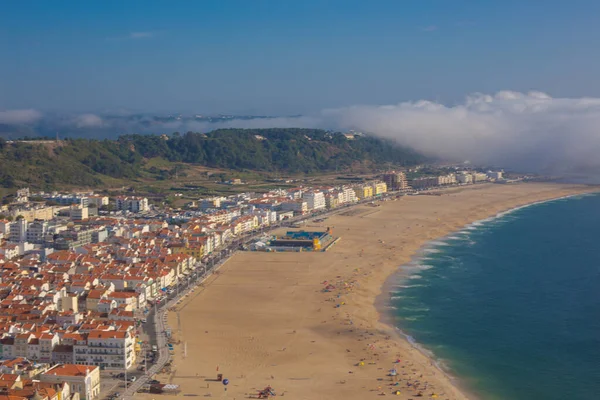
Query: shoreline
x,y
303,345
383,304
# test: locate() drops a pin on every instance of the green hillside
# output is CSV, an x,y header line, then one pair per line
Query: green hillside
x,y
81,162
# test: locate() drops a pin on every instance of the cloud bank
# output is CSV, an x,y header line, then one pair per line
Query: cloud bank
x,y
88,121
531,131
527,131
19,116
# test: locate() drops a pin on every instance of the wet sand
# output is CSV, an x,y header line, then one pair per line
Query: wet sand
x,y
265,318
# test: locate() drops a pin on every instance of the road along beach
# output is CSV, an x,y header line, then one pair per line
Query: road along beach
x,y
306,323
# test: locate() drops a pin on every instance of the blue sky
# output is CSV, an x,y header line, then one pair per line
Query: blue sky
x,y
288,57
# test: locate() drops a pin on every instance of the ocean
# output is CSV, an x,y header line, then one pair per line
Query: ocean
x,y
511,305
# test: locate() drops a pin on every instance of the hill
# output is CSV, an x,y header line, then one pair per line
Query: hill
x,y
81,162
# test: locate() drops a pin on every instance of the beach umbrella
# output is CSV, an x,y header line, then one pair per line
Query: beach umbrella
x,y
225,381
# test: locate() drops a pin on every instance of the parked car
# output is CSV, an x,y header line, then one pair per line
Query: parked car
x,y
132,379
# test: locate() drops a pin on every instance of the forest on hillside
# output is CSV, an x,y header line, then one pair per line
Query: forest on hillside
x,y
85,162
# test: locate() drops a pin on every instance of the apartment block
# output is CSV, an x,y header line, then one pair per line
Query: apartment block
x,y
314,200
133,204
395,180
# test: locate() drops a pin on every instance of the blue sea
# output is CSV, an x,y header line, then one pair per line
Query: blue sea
x,y
511,305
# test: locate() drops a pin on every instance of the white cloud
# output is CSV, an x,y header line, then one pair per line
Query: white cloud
x,y
19,116
88,121
525,130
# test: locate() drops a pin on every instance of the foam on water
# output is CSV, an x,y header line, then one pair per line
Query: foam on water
x,y
416,309
455,237
411,286
431,250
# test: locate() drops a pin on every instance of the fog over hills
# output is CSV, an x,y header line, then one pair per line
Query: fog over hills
x,y
530,131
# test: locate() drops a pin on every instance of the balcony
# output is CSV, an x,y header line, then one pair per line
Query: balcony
x,y
106,352
105,345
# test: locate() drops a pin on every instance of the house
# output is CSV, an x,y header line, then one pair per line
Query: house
x,y
83,379
62,353
47,343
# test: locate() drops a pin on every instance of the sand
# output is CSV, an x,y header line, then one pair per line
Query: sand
x,y
264,319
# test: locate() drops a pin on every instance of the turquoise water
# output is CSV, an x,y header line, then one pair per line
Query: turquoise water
x,y
512,305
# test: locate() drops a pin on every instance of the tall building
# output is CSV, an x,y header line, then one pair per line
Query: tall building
x,y
349,195
364,192
379,188
395,180
314,200
133,204
107,350
463,177
36,232
479,177
79,213
18,230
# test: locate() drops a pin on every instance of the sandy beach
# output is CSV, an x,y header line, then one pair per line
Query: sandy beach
x,y
265,318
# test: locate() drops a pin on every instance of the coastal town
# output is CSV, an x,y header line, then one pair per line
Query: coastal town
x,y
84,276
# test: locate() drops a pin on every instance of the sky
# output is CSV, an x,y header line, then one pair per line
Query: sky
x,y
289,57
508,83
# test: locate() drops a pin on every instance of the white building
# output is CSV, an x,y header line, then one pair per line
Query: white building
x,y
10,250
449,179
83,379
314,200
107,349
79,213
22,195
464,178
4,228
133,204
18,230
98,201
495,175
266,217
36,232
349,195
479,177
